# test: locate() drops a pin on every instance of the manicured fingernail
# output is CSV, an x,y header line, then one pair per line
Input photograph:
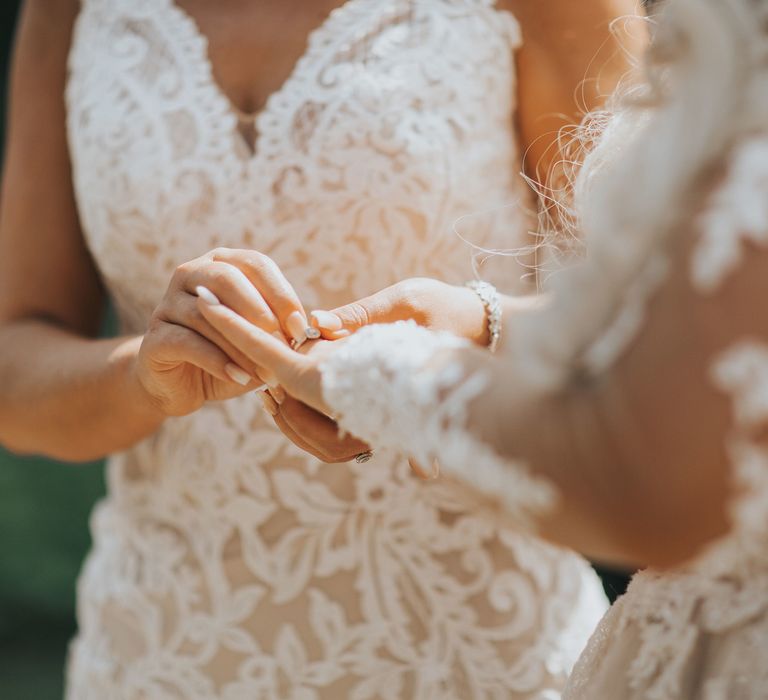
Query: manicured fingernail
x,y
338,335
237,374
312,333
269,405
327,321
296,325
207,295
263,387
277,393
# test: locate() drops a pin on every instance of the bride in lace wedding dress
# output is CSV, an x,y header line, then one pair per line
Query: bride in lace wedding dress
x,y
227,562
626,415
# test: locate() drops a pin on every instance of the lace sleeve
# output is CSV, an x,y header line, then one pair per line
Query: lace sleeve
x,y
404,386
618,368
621,365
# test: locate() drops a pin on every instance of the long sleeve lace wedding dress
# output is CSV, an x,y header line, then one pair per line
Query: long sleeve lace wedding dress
x,y
693,156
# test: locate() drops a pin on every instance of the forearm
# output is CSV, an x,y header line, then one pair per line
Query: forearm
x,y
69,397
636,452
603,494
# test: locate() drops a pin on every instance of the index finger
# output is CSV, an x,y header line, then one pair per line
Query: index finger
x,y
276,290
289,367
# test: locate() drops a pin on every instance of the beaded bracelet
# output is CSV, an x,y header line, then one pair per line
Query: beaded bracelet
x,y
492,303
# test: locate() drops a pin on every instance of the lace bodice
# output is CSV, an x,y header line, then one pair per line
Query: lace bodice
x,y
226,562
347,149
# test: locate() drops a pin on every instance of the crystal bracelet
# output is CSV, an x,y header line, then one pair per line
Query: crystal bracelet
x,y
492,303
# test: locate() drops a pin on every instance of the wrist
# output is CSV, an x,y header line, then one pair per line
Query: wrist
x,y
442,306
125,360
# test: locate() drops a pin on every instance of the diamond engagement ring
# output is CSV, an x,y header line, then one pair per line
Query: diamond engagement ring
x,y
310,333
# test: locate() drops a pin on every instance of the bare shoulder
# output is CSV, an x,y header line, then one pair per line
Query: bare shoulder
x,y
548,21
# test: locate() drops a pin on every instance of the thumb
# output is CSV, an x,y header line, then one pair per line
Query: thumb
x,y
382,307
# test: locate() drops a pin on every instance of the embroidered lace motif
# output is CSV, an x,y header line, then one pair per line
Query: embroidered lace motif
x,y
739,213
386,389
227,563
701,631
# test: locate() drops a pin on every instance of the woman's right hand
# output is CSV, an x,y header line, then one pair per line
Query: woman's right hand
x,y
183,361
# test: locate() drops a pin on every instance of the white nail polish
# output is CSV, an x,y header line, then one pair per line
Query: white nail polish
x,y
237,374
207,295
327,321
297,324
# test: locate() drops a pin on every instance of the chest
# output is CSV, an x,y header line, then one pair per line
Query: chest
x,y
253,45
395,120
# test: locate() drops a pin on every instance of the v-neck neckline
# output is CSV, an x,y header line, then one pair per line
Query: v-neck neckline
x,y
240,116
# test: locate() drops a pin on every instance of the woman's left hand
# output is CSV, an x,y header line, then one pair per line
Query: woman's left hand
x,y
310,430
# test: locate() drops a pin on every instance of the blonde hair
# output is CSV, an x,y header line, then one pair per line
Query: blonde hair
x,y
662,136
705,88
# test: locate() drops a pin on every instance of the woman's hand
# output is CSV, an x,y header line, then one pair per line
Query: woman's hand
x,y
310,430
428,302
302,416
184,361
296,373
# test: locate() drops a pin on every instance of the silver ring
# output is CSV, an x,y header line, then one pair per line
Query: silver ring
x,y
364,457
310,333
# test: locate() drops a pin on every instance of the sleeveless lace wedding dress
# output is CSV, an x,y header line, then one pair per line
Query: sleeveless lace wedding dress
x,y
226,562
701,631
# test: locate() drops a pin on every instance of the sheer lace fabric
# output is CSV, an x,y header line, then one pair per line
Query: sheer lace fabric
x,y
702,631
402,366
227,563
699,632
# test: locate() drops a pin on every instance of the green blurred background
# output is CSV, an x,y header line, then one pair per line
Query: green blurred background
x,y
44,509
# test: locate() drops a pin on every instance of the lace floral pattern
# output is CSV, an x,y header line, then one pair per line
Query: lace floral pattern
x,y
390,366
739,214
227,563
701,631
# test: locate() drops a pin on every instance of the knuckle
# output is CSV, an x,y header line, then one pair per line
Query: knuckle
x,y
260,265
359,314
256,260
181,272
222,278
220,252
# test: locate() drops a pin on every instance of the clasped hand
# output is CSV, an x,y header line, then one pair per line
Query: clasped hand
x,y
225,326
